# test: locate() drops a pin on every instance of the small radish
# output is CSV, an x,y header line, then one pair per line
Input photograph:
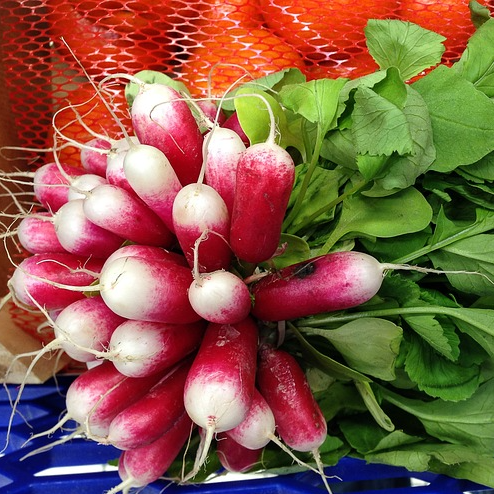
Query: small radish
x,y
86,323
125,215
80,236
150,174
82,184
148,252
198,208
223,149
36,233
220,384
299,419
234,457
265,178
233,123
152,415
34,280
162,118
99,394
141,348
115,173
143,465
220,297
147,290
334,281
51,184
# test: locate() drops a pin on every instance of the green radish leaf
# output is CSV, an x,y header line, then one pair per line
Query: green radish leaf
x,y
152,77
382,337
254,116
462,118
404,45
294,250
317,101
476,64
381,217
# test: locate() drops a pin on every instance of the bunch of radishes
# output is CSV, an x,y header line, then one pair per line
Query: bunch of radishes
x,y
134,260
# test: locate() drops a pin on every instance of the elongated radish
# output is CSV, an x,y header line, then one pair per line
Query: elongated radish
x,y
152,415
86,323
125,215
92,160
33,279
80,236
220,297
335,281
140,348
151,176
36,233
147,290
223,148
162,118
50,184
235,457
115,173
265,178
198,208
220,385
299,420
99,394
146,464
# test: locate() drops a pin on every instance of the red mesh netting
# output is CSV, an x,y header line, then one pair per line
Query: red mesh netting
x,y
186,39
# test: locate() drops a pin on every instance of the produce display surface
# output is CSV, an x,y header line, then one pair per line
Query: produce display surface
x,y
262,231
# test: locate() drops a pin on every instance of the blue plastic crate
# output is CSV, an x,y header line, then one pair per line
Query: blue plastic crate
x,y
41,406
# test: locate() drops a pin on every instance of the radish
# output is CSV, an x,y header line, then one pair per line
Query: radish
x,y
147,290
115,173
140,466
220,297
299,419
51,184
211,111
140,348
80,236
92,160
334,281
233,123
220,384
37,277
198,208
86,323
265,178
234,457
36,233
125,215
151,176
223,148
152,415
162,118
84,183
99,394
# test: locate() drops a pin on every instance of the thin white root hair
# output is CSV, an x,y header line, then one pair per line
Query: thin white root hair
x,y
202,452
48,447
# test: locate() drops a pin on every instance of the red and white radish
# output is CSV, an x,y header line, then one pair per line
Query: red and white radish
x,y
162,118
198,208
84,183
36,233
150,174
222,150
125,215
152,415
265,178
36,280
334,281
220,385
141,466
147,290
80,236
149,252
141,348
86,324
93,160
235,457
